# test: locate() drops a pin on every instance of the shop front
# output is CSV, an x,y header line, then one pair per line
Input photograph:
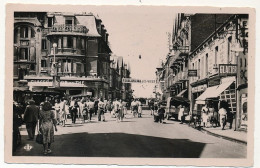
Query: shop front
x,y
225,91
94,88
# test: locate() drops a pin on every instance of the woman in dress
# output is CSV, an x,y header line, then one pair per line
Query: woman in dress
x,y
222,115
46,122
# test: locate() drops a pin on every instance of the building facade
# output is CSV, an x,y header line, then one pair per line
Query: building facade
x,y
119,70
73,46
208,62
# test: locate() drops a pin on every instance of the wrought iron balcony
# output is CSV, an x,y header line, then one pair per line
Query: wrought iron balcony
x,y
69,28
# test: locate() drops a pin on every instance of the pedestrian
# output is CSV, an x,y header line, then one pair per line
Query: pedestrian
x,y
101,108
205,111
90,107
62,111
134,107
124,108
180,113
109,106
161,112
151,106
30,118
73,109
139,108
81,104
222,115
57,110
46,124
117,109
96,105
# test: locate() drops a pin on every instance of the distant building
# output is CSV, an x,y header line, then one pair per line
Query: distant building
x,y
119,70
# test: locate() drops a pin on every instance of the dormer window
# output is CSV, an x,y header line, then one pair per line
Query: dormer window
x,y
50,21
69,21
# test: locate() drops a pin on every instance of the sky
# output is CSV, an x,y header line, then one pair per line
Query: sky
x,y
135,31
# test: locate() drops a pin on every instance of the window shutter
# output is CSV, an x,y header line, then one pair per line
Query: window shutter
x,y
32,53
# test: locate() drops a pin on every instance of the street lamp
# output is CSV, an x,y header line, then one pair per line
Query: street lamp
x,y
54,49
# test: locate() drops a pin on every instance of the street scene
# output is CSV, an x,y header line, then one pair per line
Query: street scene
x,y
133,137
135,82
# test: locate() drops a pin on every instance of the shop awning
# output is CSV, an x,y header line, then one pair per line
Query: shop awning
x,y
213,92
181,93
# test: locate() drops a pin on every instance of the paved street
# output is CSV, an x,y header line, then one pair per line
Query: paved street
x,y
134,137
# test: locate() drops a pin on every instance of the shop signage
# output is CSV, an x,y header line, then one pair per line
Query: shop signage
x,y
213,82
199,88
192,72
89,93
47,82
131,80
227,69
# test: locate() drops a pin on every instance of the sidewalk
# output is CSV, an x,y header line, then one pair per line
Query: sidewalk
x,y
229,134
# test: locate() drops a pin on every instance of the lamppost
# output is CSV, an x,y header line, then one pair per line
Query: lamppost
x,y
56,79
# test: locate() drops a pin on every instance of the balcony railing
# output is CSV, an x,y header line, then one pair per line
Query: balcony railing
x,y
69,28
181,76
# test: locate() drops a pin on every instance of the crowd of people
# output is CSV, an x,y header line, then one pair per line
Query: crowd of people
x,y
61,111
217,118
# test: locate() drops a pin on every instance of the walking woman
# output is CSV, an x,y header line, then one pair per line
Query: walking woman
x,y
46,123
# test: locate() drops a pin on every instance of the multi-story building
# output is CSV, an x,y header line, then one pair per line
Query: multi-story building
x,y
219,61
208,62
76,43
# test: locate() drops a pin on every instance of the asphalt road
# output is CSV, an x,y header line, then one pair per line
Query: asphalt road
x,y
134,137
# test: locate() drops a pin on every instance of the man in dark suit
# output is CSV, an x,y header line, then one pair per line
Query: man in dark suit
x,y
30,118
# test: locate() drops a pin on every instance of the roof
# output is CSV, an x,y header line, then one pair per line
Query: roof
x,y
90,23
33,21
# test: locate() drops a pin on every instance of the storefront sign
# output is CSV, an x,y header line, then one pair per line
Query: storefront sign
x,y
131,80
200,88
192,72
227,69
213,82
47,82
89,93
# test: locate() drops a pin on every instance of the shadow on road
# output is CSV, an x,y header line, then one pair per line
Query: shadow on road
x,y
115,145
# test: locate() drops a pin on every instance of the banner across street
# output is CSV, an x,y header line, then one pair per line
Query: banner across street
x,y
131,80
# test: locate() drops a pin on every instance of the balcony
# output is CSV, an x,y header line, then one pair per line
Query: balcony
x,y
180,77
68,28
60,52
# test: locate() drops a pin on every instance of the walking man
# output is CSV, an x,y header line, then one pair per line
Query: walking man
x,y
101,108
31,115
73,109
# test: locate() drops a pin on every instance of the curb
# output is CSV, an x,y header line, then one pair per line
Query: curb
x,y
224,137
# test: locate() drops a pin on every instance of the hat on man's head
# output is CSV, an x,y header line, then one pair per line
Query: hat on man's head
x,y
46,106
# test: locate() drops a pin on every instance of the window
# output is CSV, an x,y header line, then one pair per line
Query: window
x,y
32,33
50,21
68,22
15,36
70,42
199,69
216,55
229,50
24,32
43,63
44,45
206,64
24,54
